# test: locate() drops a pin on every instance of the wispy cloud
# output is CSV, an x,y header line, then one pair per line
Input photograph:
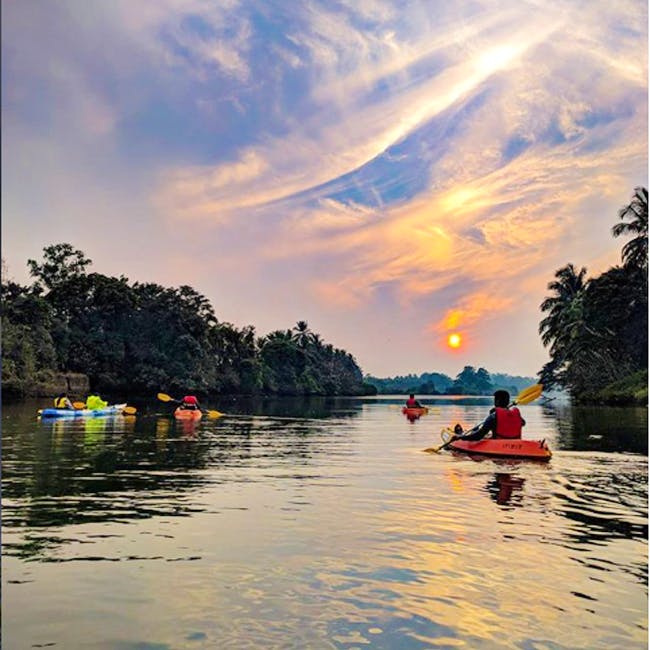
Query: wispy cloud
x,y
435,159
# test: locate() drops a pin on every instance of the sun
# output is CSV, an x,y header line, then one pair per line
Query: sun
x,y
454,340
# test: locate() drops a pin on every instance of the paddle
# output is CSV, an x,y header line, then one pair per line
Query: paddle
x,y
128,410
163,397
526,396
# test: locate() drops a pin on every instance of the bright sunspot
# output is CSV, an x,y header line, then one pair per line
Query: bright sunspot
x,y
454,340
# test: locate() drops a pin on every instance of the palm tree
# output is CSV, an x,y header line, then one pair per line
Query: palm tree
x,y
635,252
565,308
303,333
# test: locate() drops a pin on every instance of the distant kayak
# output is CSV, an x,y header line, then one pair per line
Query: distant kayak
x,y
114,409
188,414
415,411
500,448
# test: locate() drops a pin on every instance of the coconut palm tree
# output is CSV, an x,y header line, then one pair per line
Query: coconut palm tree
x,y
565,308
302,333
634,217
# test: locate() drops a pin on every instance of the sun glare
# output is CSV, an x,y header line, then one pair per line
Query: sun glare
x,y
453,341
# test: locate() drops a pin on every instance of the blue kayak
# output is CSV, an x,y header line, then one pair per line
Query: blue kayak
x,y
114,409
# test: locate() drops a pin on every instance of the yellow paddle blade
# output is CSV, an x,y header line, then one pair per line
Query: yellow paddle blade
x,y
166,398
79,405
214,414
447,435
129,410
527,391
530,394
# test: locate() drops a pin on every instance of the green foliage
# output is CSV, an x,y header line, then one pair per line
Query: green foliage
x,y
471,382
631,390
61,262
597,329
468,382
147,338
27,345
431,383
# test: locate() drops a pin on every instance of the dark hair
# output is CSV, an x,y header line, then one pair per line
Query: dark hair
x,y
501,398
62,394
411,395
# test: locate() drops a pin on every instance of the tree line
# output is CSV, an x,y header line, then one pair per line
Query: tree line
x,y
143,337
469,381
596,329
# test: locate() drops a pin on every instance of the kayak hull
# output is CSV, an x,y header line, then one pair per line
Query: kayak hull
x,y
415,411
114,409
188,414
516,449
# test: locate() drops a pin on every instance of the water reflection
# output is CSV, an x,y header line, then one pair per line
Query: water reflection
x,y
600,428
503,486
325,532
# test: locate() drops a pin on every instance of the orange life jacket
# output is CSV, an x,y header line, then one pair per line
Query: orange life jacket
x,y
509,423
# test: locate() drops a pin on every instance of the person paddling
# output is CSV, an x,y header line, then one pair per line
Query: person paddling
x,y
502,422
411,402
189,403
62,402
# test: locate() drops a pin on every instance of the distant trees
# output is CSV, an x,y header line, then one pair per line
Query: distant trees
x,y
425,384
146,337
469,381
597,329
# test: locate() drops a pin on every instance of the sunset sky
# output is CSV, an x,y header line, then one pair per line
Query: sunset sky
x,y
391,172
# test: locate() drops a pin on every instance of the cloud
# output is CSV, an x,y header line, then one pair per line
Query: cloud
x,y
368,157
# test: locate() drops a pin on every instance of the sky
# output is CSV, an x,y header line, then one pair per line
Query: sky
x,y
391,172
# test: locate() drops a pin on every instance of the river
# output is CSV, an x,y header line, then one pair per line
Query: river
x,y
322,524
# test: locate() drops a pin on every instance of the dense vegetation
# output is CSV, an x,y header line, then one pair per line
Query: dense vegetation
x,y
145,337
468,382
597,329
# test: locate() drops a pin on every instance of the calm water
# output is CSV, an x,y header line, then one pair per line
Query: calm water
x,y
322,525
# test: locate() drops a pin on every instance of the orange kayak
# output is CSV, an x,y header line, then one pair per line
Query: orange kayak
x,y
415,411
525,449
188,414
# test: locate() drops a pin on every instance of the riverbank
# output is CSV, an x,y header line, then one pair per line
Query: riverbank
x,y
45,383
629,391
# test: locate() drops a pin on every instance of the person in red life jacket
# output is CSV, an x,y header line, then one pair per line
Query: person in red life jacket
x,y
502,422
412,403
189,403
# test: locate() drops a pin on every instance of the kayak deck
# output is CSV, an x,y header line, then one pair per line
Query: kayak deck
x,y
188,414
415,410
115,409
501,448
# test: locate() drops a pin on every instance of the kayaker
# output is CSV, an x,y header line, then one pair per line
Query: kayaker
x,y
189,403
412,403
502,422
62,402
95,403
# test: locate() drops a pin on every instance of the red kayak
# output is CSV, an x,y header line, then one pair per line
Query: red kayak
x,y
188,414
500,448
415,411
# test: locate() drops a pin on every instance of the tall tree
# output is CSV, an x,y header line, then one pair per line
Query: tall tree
x,y
564,307
61,262
634,218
